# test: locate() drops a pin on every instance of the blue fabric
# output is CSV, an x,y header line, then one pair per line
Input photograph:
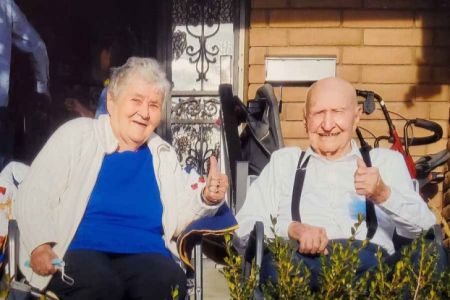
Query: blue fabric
x,y
101,107
124,213
221,223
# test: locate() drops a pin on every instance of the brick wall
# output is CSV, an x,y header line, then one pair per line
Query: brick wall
x,y
397,48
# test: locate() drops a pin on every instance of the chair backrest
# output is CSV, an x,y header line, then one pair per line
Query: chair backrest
x,y
232,110
260,137
262,134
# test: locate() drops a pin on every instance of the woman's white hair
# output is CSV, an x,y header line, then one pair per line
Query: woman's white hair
x,y
148,68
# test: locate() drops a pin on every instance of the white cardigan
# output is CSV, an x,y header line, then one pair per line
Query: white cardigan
x,y
53,197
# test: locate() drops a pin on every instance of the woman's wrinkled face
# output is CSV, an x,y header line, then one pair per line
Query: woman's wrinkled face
x,y
330,122
135,112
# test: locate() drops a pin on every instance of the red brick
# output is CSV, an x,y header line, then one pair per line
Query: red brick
x,y
252,88
377,18
380,128
395,74
269,3
349,73
397,37
441,38
441,74
377,55
408,4
432,92
391,92
293,94
256,74
268,37
326,3
409,110
305,51
401,110
439,145
293,111
259,18
433,55
293,129
304,18
439,111
257,55
433,19
325,36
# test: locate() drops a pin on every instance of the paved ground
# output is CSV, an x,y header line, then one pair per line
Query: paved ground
x,y
215,284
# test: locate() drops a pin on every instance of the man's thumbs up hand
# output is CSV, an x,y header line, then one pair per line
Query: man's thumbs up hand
x,y
368,183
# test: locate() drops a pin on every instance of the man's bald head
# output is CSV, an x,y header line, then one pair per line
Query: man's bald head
x,y
331,117
330,85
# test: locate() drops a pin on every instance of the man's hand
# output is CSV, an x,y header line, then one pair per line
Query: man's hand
x,y
312,239
41,260
216,184
368,183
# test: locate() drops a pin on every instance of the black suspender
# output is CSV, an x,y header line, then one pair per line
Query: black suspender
x,y
298,187
371,218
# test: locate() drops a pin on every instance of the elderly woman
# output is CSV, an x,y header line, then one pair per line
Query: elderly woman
x,y
109,197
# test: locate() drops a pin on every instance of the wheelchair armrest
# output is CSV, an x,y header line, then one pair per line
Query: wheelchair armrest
x,y
13,247
241,183
255,249
437,233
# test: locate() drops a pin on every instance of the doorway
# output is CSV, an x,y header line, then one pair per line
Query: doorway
x,y
84,39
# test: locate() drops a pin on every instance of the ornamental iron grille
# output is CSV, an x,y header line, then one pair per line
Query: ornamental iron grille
x,y
202,44
196,131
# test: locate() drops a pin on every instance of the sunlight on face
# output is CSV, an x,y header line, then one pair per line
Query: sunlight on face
x,y
331,117
135,112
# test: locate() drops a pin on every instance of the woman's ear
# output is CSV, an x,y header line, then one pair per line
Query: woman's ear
x,y
109,102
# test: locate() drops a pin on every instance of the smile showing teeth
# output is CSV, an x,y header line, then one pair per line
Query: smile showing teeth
x,y
329,134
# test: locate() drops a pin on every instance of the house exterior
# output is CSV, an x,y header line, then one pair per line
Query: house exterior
x,y
397,48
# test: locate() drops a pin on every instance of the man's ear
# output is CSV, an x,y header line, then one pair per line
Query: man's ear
x,y
305,120
358,114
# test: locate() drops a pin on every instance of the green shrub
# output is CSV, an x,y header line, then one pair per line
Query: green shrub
x,y
240,288
338,278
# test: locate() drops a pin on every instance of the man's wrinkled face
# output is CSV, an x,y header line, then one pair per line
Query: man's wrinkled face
x,y
331,120
135,112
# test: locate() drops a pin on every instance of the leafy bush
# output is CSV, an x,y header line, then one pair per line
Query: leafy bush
x,y
338,278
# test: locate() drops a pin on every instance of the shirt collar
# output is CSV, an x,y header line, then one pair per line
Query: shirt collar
x,y
354,152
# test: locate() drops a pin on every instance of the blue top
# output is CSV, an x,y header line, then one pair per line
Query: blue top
x,y
124,213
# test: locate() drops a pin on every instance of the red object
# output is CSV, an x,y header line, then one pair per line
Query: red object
x,y
2,190
194,186
201,179
397,146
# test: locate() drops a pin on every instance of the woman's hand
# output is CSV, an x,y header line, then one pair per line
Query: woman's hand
x,y
41,260
216,184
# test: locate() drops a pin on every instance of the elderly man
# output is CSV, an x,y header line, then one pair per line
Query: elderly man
x,y
109,197
336,185
15,30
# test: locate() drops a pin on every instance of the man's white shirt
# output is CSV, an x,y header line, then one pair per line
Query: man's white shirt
x,y
329,199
